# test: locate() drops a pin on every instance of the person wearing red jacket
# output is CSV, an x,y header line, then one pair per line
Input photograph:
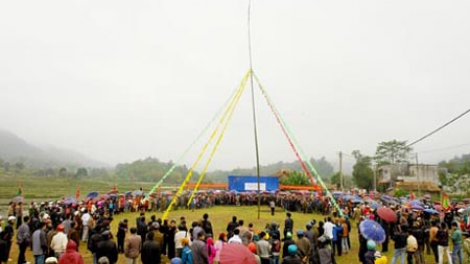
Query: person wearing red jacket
x,y
71,255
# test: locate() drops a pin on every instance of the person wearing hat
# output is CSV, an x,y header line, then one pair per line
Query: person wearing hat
x,y
369,257
303,246
263,248
186,253
252,247
287,242
292,256
51,260
39,243
379,258
325,255
313,239
107,248
103,260
59,242
71,255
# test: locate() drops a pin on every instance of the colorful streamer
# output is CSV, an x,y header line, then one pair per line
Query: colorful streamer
x,y
201,154
292,141
203,132
214,149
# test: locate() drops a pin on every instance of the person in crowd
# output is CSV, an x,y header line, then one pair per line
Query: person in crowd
x,y
252,247
71,255
287,242
303,246
121,235
210,249
325,254
337,238
39,244
443,243
179,235
198,249
369,256
231,226
170,236
411,246
107,248
275,248
59,242
235,238
263,248
292,257
85,220
207,225
151,250
466,247
399,237
132,246
433,241
219,245
23,239
419,234
74,235
288,224
186,253
456,243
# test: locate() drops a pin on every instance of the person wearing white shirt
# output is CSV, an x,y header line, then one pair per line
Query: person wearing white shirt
x,y
178,238
59,242
236,238
328,227
85,219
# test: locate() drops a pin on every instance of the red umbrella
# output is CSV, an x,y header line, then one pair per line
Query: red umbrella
x,y
387,214
236,254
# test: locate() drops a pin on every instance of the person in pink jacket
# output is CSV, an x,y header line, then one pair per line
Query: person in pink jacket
x,y
210,249
219,244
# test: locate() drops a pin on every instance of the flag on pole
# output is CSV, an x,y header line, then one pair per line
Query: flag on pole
x,y
20,189
77,194
445,201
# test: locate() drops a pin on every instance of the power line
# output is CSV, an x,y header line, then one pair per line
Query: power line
x,y
444,148
437,129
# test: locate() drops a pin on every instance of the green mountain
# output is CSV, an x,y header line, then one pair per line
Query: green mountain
x,y
14,149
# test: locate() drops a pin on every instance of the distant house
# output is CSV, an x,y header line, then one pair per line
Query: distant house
x,y
410,176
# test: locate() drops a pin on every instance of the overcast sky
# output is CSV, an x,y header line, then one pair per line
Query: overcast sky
x,y
123,80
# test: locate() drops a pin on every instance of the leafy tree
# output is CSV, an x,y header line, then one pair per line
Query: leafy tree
x,y
400,193
336,179
63,172
19,166
81,172
392,152
362,174
296,178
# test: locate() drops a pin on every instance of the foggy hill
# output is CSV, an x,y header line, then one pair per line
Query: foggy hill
x,y
15,149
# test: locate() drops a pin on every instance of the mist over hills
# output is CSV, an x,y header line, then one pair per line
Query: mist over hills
x,y
14,149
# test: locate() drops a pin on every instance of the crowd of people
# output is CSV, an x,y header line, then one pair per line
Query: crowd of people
x,y
59,232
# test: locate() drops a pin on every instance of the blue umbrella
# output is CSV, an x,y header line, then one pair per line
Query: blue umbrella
x,y
137,193
92,195
417,207
430,211
372,230
113,195
129,193
375,206
415,202
69,201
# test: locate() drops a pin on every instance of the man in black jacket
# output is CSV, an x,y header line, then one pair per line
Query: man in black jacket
x,y
107,248
150,253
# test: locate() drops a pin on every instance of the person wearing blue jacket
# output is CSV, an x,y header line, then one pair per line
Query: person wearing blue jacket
x,y
186,254
337,235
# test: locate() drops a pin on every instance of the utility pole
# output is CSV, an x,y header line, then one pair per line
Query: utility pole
x,y
341,170
417,174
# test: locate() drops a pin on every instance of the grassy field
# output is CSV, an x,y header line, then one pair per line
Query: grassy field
x,y
220,216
